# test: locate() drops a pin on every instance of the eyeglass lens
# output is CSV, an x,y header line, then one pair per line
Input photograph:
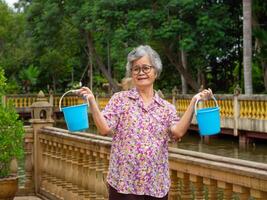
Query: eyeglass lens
x,y
145,68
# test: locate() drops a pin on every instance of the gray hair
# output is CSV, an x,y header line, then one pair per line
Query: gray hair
x,y
140,51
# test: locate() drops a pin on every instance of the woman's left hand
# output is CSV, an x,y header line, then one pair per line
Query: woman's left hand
x,y
204,95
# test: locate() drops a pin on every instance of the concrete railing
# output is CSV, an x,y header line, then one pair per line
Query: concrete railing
x,y
74,166
242,112
241,115
246,106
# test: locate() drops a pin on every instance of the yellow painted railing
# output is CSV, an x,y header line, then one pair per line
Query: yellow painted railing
x,y
252,107
237,112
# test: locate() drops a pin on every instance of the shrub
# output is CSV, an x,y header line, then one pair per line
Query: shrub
x,y
11,134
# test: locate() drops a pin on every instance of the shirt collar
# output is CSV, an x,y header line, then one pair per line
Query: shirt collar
x,y
133,94
158,99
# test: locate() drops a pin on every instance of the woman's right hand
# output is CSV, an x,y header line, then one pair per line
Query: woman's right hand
x,y
86,93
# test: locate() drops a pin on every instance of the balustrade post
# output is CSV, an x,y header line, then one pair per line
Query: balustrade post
x,y
242,192
236,114
92,176
258,195
198,185
227,189
85,174
66,168
105,162
53,169
70,194
174,193
75,166
74,177
44,177
49,167
59,170
212,188
186,192
80,157
99,177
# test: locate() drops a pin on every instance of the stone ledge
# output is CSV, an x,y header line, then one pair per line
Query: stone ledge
x,y
27,198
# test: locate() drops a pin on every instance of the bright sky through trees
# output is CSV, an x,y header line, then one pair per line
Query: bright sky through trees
x,y
11,2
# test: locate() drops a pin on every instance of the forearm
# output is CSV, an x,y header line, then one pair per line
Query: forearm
x,y
98,118
181,127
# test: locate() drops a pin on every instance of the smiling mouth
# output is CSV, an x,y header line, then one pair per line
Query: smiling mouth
x,y
141,79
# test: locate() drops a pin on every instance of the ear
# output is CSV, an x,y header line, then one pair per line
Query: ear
x,y
156,75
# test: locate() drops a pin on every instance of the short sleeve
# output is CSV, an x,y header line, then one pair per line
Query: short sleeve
x,y
112,111
173,119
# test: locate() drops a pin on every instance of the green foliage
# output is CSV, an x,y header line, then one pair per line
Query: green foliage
x,y
53,65
29,76
53,36
13,87
11,135
257,78
2,81
11,138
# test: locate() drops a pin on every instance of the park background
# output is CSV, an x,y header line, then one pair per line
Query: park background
x,y
55,44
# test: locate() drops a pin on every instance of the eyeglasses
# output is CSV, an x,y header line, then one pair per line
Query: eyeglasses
x,y
137,69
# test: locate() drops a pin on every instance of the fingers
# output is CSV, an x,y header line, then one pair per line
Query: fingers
x,y
205,94
84,92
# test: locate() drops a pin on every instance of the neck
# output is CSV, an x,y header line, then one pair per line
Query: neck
x,y
146,94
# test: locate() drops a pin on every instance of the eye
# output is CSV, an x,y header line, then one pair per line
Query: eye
x,y
146,68
136,69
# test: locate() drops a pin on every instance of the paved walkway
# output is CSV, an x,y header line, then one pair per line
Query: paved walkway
x,y
27,198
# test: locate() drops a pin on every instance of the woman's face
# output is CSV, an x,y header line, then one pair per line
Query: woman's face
x,y
143,73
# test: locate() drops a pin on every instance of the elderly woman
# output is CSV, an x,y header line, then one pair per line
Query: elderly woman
x,y
142,124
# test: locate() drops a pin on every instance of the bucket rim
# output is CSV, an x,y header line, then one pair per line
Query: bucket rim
x,y
205,110
80,105
60,108
198,100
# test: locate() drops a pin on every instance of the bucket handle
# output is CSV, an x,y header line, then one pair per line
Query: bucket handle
x,y
64,95
213,97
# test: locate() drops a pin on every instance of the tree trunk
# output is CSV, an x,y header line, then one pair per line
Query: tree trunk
x,y
109,65
264,65
100,63
247,46
54,84
184,64
201,79
187,76
90,65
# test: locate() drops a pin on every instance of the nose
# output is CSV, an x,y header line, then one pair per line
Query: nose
x,y
141,72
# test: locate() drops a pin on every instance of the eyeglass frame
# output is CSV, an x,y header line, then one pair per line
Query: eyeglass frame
x,y
141,67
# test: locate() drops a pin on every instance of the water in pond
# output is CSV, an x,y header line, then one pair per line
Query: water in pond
x,y
222,145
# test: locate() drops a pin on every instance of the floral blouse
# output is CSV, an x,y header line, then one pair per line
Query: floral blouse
x,y
139,153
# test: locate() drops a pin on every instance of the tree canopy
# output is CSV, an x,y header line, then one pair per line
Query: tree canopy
x,y
62,39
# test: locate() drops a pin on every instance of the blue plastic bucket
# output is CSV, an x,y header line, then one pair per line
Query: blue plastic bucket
x,y
76,117
208,120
